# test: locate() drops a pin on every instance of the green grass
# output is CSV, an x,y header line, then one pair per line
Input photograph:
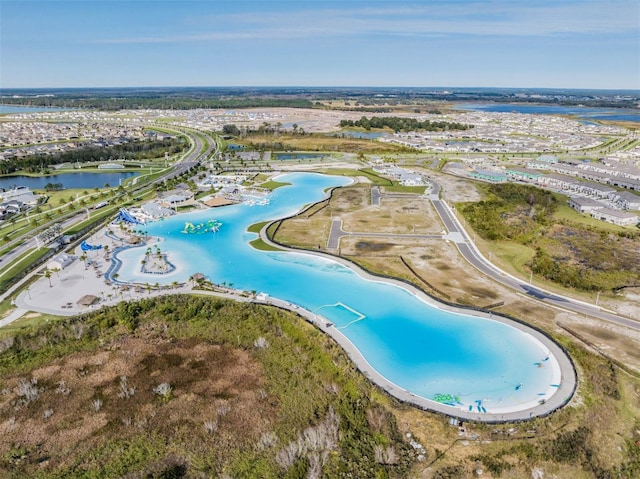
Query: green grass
x,y
26,324
516,255
371,175
11,248
272,185
16,268
259,244
256,227
96,216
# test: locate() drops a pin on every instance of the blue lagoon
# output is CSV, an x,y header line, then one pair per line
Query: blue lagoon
x,y
467,361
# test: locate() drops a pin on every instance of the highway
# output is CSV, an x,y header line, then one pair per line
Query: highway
x,y
470,252
193,158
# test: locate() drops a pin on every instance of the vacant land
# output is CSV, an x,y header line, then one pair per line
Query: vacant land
x,y
317,142
187,386
570,253
434,264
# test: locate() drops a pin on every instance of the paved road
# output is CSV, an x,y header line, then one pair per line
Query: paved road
x,y
473,256
375,196
567,384
190,160
337,233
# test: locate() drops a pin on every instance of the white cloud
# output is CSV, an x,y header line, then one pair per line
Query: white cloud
x,y
482,18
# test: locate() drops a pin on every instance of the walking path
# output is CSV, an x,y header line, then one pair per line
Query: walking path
x,y
78,280
566,371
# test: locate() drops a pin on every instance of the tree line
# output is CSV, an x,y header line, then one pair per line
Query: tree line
x,y
161,103
134,150
398,124
265,129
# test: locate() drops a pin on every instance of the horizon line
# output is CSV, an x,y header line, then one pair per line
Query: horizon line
x,y
323,86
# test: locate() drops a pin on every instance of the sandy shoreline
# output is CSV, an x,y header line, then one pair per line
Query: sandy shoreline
x,y
78,280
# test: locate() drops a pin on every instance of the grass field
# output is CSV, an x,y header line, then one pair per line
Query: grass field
x,y
315,142
272,185
259,244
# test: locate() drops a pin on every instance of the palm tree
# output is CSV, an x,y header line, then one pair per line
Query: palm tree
x,y
83,257
47,274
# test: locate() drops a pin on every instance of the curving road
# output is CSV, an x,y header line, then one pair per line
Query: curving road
x,y
191,159
471,253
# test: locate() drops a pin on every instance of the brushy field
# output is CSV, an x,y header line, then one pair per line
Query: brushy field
x,y
192,386
564,249
187,386
317,142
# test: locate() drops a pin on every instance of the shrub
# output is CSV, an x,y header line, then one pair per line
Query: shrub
x,y
125,391
96,404
163,390
261,343
28,391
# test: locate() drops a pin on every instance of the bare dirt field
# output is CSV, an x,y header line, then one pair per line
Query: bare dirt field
x,y
437,266
311,120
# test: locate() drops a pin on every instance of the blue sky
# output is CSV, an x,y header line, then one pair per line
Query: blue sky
x,y
501,43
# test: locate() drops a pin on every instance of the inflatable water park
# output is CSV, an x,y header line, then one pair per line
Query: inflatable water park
x,y
211,226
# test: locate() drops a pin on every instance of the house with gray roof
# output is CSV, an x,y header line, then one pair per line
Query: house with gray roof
x,y
584,205
491,176
627,200
617,217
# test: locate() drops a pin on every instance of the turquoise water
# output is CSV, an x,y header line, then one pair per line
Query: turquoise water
x,y
415,345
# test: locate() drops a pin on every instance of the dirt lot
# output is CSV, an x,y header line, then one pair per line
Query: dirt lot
x,y
438,266
311,120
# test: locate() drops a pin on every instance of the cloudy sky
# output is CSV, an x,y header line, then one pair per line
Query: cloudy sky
x,y
501,43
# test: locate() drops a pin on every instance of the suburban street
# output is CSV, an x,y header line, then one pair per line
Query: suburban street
x,y
470,252
192,158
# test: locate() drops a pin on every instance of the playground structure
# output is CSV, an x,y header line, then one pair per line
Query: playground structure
x,y
84,246
211,226
126,216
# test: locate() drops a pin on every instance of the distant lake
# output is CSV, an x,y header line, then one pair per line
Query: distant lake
x,y
583,112
68,180
235,146
7,109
